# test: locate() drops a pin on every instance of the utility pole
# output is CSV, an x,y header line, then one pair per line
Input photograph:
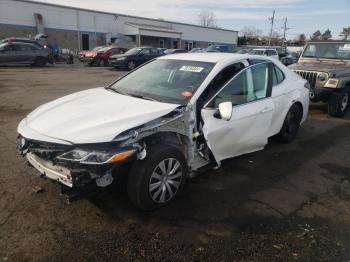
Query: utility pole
x,y
285,28
272,19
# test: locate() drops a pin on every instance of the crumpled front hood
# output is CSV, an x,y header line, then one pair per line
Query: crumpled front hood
x,y
92,116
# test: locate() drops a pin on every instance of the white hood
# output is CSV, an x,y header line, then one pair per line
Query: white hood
x,y
91,116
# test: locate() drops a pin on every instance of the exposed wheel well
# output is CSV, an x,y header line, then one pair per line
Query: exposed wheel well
x,y
168,138
300,107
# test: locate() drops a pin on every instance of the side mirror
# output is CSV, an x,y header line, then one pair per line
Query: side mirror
x,y
225,110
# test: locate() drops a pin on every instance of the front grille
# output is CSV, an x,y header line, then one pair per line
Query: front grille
x,y
310,76
44,150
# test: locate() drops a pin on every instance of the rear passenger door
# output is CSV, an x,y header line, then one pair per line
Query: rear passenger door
x,y
27,52
248,129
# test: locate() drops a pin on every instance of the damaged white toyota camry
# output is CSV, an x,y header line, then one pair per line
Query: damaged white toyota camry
x,y
164,122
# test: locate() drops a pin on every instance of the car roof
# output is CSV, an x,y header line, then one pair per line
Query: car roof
x,y
263,49
209,57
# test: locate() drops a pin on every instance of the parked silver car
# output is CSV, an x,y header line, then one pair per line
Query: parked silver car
x,y
23,53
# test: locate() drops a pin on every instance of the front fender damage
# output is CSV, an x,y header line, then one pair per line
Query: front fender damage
x,y
177,128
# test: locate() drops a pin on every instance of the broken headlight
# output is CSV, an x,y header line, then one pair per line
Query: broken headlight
x,y
92,157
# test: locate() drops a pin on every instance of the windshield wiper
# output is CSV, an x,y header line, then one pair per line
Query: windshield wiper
x,y
140,96
133,95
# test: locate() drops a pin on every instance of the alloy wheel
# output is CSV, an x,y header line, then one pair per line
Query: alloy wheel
x,y
165,180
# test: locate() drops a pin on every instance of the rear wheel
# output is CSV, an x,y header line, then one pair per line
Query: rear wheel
x,y
291,124
338,103
40,61
158,179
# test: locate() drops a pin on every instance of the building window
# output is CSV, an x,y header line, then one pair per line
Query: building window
x,y
161,43
175,44
186,46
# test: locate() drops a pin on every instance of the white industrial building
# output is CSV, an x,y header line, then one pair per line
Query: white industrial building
x,y
76,28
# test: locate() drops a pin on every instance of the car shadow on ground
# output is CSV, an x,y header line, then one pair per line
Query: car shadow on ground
x,y
221,195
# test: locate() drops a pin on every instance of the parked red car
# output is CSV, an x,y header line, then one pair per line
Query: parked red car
x,y
102,56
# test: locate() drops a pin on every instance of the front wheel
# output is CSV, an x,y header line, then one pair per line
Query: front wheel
x,y
131,65
158,179
291,125
338,103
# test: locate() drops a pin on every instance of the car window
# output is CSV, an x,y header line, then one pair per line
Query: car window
x,y
280,74
219,81
145,51
256,61
154,51
25,47
277,75
249,85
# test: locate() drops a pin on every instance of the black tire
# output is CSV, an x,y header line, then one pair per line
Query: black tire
x,y
291,124
40,61
142,173
102,62
338,103
131,65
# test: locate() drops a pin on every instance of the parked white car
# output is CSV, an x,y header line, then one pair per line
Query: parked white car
x,y
270,52
165,121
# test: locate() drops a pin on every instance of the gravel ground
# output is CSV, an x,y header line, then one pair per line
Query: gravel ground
x,y
286,203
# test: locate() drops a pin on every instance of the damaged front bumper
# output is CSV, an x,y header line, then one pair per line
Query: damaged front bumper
x,y
51,171
59,163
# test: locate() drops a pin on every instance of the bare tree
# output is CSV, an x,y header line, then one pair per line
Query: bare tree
x,y
326,35
207,19
251,31
346,33
301,40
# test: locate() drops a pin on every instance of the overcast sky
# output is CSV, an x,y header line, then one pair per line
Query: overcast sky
x,y
304,16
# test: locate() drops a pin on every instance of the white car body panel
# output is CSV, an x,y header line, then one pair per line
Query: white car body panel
x,y
99,115
91,116
284,95
246,131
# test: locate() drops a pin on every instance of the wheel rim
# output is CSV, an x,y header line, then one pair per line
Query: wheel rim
x,y
165,180
344,102
131,65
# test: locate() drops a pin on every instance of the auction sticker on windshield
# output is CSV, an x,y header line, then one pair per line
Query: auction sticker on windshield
x,y
195,69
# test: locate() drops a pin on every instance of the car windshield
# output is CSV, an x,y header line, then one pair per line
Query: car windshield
x,y
328,50
257,52
169,81
103,49
133,51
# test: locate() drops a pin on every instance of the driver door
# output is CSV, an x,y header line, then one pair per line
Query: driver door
x,y
8,54
248,128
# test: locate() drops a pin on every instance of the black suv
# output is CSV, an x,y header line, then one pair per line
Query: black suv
x,y
134,57
326,66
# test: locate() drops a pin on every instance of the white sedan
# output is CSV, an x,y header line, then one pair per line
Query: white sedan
x,y
162,122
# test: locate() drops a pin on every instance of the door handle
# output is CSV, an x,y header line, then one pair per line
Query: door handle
x,y
266,109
